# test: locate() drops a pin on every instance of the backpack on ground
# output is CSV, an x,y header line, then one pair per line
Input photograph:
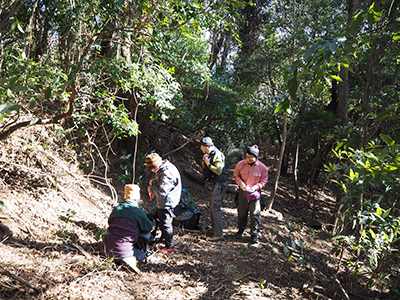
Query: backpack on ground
x,y
186,214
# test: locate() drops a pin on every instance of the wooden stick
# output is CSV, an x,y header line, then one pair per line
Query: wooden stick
x,y
187,142
23,281
87,255
337,282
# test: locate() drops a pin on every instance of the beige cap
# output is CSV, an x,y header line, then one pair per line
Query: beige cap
x,y
132,192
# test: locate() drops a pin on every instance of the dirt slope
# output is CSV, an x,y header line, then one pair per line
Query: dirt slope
x,y
51,212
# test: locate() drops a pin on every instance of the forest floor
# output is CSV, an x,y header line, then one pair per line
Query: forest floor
x,y
51,211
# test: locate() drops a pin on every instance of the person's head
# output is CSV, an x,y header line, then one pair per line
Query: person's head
x,y
206,143
252,154
132,193
153,162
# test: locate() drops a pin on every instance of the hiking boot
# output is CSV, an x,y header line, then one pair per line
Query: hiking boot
x,y
254,239
165,250
239,233
132,263
215,238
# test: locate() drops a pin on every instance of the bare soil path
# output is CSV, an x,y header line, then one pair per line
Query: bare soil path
x,y
51,212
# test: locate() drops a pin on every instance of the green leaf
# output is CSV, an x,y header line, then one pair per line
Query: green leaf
x,y
387,139
379,211
382,116
327,56
47,94
6,108
10,94
295,65
353,174
283,105
318,89
292,87
355,24
342,41
13,25
333,47
308,53
32,103
20,28
337,78
386,213
374,13
372,233
33,121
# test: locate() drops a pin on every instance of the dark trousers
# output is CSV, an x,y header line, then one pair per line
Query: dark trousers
x,y
165,217
244,207
217,194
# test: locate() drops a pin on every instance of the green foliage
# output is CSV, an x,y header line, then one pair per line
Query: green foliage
x,y
69,216
118,118
362,174
262,283
100,234
314,130
63,235
294,251
126,176
7,109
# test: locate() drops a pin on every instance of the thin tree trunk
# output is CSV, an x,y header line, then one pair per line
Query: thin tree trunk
x,y
342,110
343,87
278,171
296,173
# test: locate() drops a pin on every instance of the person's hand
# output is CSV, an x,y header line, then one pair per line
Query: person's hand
x,y
151,182
253,189
243,186
150,194
206,159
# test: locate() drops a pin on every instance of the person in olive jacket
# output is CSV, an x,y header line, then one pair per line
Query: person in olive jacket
x,y
214,171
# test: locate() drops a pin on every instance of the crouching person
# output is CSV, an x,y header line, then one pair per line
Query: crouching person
x,y
126,222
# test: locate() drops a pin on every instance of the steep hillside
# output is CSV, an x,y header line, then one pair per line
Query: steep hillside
x,y
55,205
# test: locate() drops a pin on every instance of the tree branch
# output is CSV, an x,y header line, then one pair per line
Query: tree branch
x,y
23,281
53,120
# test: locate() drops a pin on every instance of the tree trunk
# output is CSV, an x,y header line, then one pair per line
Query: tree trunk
x,y
343,88
296,173
343,105
278,171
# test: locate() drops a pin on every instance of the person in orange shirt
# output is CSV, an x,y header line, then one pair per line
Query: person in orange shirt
x,y
251,175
